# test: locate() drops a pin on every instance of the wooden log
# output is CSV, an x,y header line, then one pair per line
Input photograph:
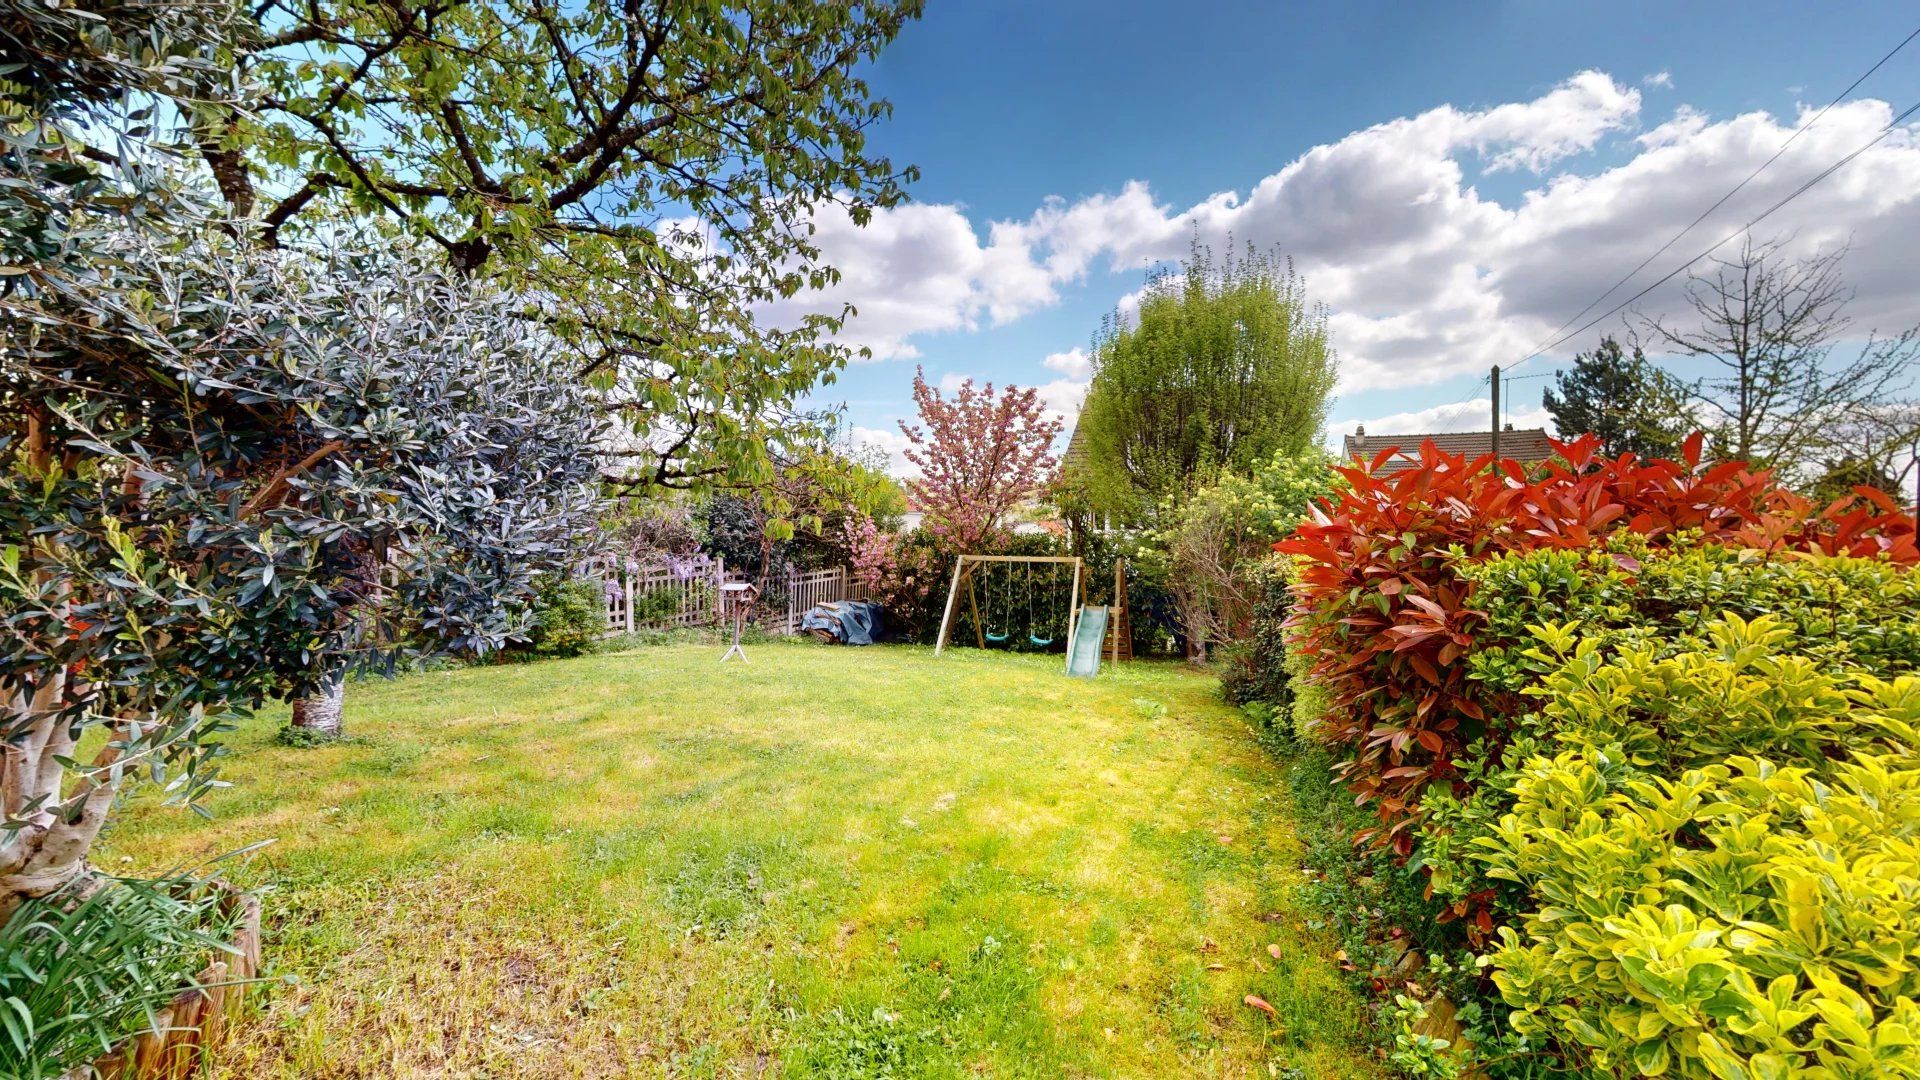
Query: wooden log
x,y
200,1018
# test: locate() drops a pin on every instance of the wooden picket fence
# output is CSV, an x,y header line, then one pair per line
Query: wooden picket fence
x,y
805,591
662,597
666,597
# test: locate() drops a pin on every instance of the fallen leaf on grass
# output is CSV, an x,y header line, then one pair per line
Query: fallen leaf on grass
x,y
1260,1003
1273,951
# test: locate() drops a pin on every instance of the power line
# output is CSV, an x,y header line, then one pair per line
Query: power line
x,y
1675,272
1484,380
1722,200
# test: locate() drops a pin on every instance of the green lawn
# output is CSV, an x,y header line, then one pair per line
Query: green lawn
x,y
828,862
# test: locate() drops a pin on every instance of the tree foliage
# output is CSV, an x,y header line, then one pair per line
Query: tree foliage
x,y
223,463
980,454
1631,405
647,175
1226,365
1216,542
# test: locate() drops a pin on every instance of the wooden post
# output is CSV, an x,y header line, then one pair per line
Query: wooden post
x,y
973,598
1119,606
1494,380
946,616
626,575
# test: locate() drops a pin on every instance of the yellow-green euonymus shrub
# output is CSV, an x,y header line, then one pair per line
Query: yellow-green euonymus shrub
x,y
1744,689
1739,919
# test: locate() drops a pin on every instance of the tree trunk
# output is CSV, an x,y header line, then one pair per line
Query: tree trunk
x,y
52,828
319,713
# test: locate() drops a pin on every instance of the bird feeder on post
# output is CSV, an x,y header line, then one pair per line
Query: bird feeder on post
x,y
737,600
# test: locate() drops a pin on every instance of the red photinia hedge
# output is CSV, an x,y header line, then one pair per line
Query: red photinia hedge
x,y
1386,617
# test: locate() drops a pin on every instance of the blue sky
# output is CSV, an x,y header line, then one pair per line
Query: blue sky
x,y
1454,182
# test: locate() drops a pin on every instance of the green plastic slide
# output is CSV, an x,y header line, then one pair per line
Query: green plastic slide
x,y
1083,653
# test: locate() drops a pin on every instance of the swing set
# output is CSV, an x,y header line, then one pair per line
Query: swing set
x,y
995,625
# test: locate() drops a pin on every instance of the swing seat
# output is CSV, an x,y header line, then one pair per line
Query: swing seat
x,y
1039,642
997,639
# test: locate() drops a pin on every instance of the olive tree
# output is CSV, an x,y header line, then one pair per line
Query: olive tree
x,y
242,473
214,471
436,392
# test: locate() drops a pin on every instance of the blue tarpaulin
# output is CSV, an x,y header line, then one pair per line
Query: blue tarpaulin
x,y
849,622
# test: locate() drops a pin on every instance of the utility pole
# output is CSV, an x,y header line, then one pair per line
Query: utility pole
x,y
1495,380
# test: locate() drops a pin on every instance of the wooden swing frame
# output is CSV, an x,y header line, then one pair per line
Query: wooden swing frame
x,y
963,574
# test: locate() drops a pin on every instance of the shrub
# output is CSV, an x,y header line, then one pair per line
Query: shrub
x,y
1216,544
736,532
83,974
1744,919
1656,706
569,616
1385,609
1578,837
1841,610
907,582
1254,668
1211,544
1617,641
653,529
1150,608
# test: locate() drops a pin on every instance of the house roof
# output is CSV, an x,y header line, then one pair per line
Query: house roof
x,y
1076,448
1525,445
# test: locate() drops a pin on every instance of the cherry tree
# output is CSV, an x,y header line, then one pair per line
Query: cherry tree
x,y
980,454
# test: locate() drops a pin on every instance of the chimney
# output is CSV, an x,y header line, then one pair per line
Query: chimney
x,y
1509,427
1359,431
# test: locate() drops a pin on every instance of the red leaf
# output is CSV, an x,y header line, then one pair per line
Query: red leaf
x,y
1690,449
1260,1003
1425,668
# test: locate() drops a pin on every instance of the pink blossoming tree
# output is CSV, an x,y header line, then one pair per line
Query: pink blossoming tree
x,y
980,454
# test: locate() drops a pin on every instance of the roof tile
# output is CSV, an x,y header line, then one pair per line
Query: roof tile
x,y
1526,445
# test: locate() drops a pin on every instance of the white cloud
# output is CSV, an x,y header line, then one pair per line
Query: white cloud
x,y
914,269
1426,277
1074,363
1062,399
891,442
1660,80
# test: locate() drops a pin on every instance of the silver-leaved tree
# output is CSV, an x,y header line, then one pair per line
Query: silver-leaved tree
x,y
226,470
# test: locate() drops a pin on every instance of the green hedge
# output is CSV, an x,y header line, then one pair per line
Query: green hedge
x,y
1753,918
1697,834
1687,844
